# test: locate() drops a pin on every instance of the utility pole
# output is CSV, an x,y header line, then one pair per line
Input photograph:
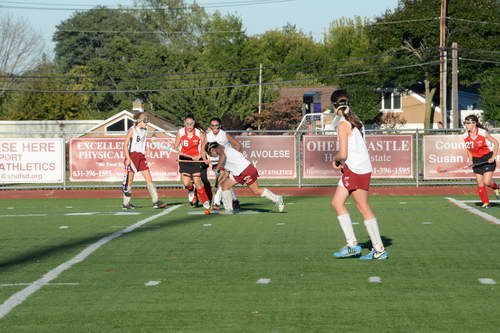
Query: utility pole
x,y
260,91
442,63
454,85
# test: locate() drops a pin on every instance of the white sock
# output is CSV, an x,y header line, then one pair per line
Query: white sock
x,y
233,193
152,192
227,199
218,196
126,199
346,225
269,195
372,228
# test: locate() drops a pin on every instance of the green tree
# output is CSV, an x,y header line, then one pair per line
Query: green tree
x,y
86,35
47,106
490,96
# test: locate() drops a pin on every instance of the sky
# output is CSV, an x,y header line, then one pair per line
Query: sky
x,y
311,16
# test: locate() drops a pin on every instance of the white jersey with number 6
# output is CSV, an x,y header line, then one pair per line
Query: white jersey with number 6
x,y
138,140
235,161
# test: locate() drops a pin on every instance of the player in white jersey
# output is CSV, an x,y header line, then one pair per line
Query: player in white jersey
x,y
134,149
235,168
216,134
354,162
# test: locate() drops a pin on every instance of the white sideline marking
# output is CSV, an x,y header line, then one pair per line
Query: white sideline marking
x,y
127,213
475,211
77,214
23,215
375,279
403,203
263,281
355,222
472,201
11,207
47,284
21,296
487,281
426,222
69,206
63,227
207,225
152,283
281,223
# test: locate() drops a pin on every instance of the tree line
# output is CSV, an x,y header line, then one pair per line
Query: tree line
x,y
181,60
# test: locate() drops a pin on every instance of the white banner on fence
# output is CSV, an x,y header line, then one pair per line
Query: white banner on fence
x,y
31,160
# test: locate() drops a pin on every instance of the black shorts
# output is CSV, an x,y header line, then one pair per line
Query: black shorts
x,y
486,167
190,167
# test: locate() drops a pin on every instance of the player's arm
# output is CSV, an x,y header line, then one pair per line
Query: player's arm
x,y
222,157
234,143
203,138
495,147
343,135
203,144
177,141
126,144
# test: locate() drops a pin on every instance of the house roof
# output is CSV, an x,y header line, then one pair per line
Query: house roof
x,y
155,122
298,93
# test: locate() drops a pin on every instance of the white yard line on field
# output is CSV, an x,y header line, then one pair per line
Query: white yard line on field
x,y
475,211
21,296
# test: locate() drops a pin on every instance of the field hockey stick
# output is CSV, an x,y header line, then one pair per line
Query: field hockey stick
x,y
168,148
439,170
190,161
214,191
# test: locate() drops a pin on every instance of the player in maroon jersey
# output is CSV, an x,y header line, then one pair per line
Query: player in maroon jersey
x,y
476,139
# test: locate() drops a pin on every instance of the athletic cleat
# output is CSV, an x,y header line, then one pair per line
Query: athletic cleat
x,y
497,193
280,204
206,205
236,204
128,207
348,251
375,255
486,205
159,204
216,207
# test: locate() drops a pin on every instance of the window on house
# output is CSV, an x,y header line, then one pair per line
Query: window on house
x,y
391,101
120,126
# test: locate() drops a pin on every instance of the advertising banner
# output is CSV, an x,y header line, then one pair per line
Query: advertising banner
x,y
31,161
101,159
274,156
391,156
445,157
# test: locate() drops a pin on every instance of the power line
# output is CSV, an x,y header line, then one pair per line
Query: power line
x,y
214,87
480,60
213,5
148,32
239,70
471,21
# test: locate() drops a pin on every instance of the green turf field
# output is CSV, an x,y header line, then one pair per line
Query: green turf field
x,y
206,268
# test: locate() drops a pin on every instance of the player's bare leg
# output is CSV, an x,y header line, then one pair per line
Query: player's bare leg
x,y
266,193
187,181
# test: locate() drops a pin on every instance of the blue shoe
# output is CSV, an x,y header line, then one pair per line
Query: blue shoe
x,y
375,255
348,251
